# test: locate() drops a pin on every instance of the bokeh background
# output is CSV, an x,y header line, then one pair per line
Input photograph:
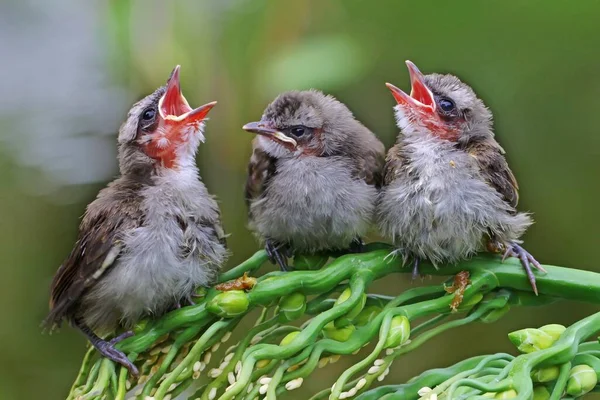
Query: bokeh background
x,y
71,69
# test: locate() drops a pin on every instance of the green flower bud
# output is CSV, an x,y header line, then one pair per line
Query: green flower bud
x,y
507,394
339,334
292,307
554,330
541,393
346,319
468,304
495,314
357,309
547,374
200,293
399,332
366,315
582,379
229,304
529,340
310,262
140,326
287,339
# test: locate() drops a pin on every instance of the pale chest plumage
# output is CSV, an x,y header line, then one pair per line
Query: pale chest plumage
x,y
175,250
439,207
314,203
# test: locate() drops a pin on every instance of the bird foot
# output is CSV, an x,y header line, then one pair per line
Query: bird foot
x,y
278,254
515,250
415,270
108,350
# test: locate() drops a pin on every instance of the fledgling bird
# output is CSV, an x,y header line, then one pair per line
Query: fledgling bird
x,y
313,176
448,191
152,236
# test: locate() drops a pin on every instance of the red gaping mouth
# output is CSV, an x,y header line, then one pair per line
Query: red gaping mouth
x,y
421,98
178,123
174,107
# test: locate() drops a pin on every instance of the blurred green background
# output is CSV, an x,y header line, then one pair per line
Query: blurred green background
x,y
70,71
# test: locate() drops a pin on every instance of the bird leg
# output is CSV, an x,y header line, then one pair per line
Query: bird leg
x,y
107,348
415,271
515,250
278,254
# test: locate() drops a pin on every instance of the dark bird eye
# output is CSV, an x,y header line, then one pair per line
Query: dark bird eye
x,y
298,131
446,105
149,114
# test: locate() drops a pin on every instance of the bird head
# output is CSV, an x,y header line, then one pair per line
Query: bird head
x,y
162,129
441,106
306,123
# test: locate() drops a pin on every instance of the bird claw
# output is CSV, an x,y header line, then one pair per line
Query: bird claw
x,y
121,337
108,350
515,250
278,255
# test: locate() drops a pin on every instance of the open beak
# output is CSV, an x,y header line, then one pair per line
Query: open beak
x,y
420,98
261,128
174,108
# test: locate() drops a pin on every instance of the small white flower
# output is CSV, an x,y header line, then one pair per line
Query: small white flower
x,y
294,384
265,380
225,337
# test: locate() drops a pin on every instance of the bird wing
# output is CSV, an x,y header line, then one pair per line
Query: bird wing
x,y
395,163
495,170
370,165
261,168
98,246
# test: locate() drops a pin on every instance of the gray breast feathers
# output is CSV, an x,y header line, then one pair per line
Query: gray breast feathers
x,y
314,203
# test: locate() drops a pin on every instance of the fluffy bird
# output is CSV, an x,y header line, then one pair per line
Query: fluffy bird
x,y
448,191
151,236
313,176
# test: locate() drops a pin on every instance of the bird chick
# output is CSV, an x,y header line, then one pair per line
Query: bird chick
x,y
313,176
151,236
448,190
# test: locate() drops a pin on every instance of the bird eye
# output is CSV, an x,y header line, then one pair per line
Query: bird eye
x,y
298,131
149,114
446,105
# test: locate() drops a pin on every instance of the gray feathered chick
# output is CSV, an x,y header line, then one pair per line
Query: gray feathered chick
x,y
152,236
313,176
448,190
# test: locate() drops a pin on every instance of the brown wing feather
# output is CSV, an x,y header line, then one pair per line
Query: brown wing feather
x,y
394,164
261,169
96,249
370,165
495,170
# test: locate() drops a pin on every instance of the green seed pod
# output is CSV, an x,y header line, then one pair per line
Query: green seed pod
x,y
399,332
366,315
292,307
507,394
287,339
339,334
357,309
554,330
310,262
541,393
529,340
468,304
582,379
140,326
200,293
547,374
495,314
229,304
